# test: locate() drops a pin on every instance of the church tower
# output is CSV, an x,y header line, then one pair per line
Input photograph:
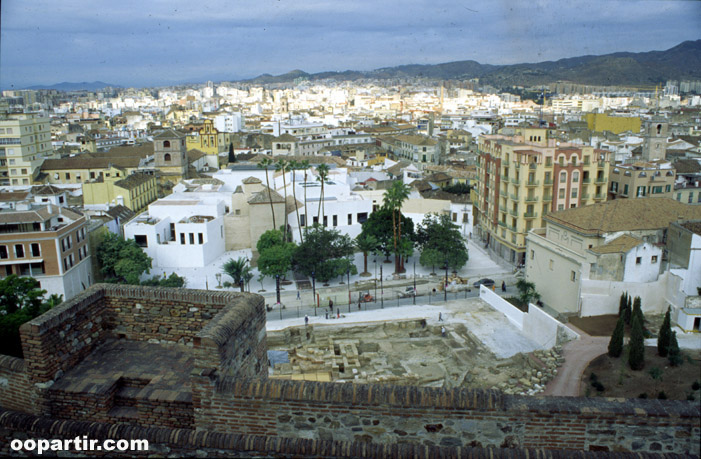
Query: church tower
x,y
655,139
170,155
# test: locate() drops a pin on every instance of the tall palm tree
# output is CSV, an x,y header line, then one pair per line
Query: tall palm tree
x,y
264,164
323,171
366,244
283,166
305,165
238,270
294,166
394,197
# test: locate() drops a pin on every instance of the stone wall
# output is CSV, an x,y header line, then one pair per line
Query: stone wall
x,y
62,337
448,417
16,392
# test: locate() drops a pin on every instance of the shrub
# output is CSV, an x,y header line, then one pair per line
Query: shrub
x,y
656,373
691,397
662,395
593,377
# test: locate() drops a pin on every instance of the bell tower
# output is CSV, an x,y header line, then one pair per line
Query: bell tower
x,y
655,139
170,155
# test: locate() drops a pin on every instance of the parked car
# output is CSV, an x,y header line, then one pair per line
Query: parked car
x,y
486,282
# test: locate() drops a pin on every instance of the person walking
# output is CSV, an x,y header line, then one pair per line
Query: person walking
x,y
297,294
440,317
306,320
331,305
443,332
503,286
338,313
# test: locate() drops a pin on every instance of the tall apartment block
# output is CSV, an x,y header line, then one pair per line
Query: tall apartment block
x,y
25,141
524,177
48,243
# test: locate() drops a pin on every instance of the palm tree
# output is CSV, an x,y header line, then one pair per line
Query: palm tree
x,y
305,165
323,171
394,197
366,244
264,164
283,165
238,270
294,166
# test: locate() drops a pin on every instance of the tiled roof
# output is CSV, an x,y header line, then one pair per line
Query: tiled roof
x,y
625,215
263,197
687,166
168,134
621,244
46,190
694,227
12,196
83,162
134,180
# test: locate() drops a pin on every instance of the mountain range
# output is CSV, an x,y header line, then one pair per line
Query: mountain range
x,y
682,62
84,86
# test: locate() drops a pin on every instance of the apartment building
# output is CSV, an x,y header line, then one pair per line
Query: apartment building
x,y
25,141
49,243
524,177
415,148
640,179
134,191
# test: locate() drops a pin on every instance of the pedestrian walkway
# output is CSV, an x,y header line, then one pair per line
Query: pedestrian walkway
x,y
578,354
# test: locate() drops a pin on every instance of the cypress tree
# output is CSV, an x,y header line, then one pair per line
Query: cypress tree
x,y
628,311
638,310
636,356
232,156
664,337
622,305
616,343
674,355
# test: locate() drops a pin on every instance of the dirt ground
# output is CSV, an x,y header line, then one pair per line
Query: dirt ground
x,y
604,325
618,380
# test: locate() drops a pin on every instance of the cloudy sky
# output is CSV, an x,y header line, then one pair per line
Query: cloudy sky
x,y
160,42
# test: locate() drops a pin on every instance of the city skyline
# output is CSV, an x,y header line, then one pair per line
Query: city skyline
x,y
163,43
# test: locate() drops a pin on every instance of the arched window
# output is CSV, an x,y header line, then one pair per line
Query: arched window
x,y
575,176
659,129
166,144
166,157
563,176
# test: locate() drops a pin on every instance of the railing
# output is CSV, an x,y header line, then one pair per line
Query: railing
x,y
600,164
530,215
515,181
503,192
501,223
585,195
532,182
548,182
601,180
547,198
586,180
599,195
513,212
513,196
531,198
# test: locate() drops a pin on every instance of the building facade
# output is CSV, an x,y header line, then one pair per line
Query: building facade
x,y
640,179
522,178
25,141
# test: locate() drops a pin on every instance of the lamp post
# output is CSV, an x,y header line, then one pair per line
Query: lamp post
x,y
349,294
375,261
414,281
241,284
445,290
382,291
314,291
277,287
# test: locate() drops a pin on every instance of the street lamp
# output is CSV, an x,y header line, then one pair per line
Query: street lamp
x,y
414,280
382,291
375,261
277,287
314,291
349,294
445,290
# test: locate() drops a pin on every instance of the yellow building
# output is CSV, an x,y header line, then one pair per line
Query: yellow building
x,y
135,191
601,122
206,139
86,167
25,141
522,178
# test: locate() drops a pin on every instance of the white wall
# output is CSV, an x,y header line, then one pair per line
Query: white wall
x,y
646,271
70,284
601,297
511,312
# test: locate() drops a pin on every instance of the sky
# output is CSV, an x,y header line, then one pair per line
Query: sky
x,y
163,42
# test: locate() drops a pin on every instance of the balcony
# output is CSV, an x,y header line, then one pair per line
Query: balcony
x,y
585,196
548,181
503,193
601,180
512,228
502,224
515,181
601,164
513,197
531,198
513,212
533,183
586,180
599,196
547,198
530,215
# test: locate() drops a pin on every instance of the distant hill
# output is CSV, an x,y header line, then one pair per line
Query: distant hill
x,y
84,86
634,69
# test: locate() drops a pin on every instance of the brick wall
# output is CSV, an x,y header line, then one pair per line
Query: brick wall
x,y
448,417
16,391
60,338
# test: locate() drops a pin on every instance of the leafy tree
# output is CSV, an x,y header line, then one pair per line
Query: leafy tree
x,y
264,164
232,155
270,238
276,260
439,240
321,253
21,300
674,355
527,292
394,197
636,355
122,261
458,188
379,225
616,343
664,337
366,243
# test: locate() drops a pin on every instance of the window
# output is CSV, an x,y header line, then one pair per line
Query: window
x,y
679,196
350,219
35,249
192,238
19,250
237,212
638,260
166,157
141,240
573,276
575,176
532,254
302,220
561,193
455,216
3,252
166,144
691,197
182,238
200,238
551,264
654,259
614,187
326,221
625,189
560,207
563,176
574,194
465,218
640,191
362,217
68,175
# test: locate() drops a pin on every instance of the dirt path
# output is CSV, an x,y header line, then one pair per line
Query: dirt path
x,y
577,354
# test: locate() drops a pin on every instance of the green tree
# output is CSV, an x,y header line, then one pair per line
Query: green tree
x,y
232,155
638,311
265,163
628,312
283,166
268,239
323,171
321,253
527,292
622,305
276,260
394,197
294,166
636,355
172,281
674,355
21,300
664,337
457,188
616,343
440,241
379,226
121,261
238,270
366,243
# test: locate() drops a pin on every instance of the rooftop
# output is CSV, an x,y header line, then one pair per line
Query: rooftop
x,y
621,244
